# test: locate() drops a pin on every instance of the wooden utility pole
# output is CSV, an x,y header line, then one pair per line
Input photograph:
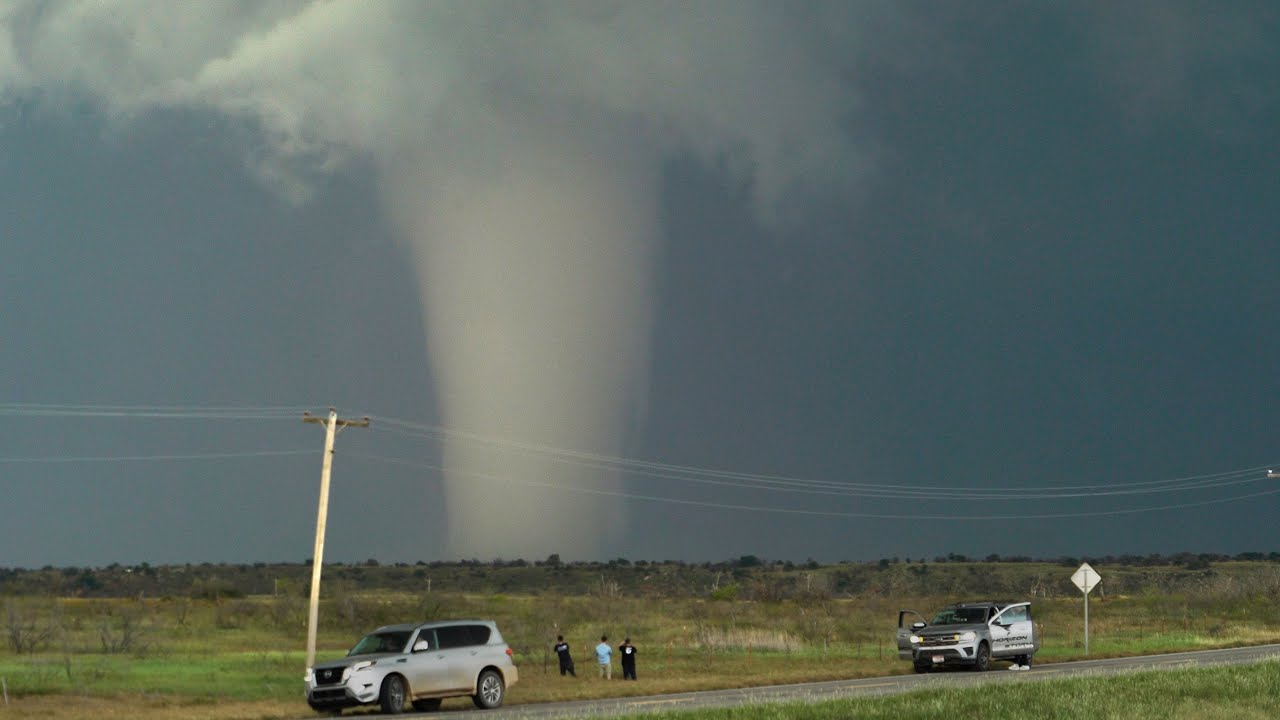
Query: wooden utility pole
x,y
331,425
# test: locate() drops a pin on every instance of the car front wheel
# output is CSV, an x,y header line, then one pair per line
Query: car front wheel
x,y
982,662
392,695
489,690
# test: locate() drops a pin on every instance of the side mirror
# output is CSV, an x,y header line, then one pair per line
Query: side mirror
x,y
421,645
918,625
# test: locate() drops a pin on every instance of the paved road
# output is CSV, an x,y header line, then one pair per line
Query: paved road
x,y
864,687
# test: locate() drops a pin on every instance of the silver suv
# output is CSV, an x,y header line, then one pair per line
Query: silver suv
x,y
971,634
422,664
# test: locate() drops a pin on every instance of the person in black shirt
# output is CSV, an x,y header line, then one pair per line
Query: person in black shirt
x,y
566,660
628,652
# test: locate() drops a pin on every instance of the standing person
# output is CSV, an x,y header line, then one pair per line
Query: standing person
x,y
604,656
566,660
628,659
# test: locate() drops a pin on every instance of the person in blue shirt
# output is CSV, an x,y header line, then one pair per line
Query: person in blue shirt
x,y
604,656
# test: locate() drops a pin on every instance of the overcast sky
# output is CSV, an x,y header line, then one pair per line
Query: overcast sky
x,y
844,282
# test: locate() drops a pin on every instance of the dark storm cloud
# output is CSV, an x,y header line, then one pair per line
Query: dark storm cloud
x,y
996,245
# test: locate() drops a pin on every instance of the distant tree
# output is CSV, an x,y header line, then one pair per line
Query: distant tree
x,y
1197,562
88,582
749,561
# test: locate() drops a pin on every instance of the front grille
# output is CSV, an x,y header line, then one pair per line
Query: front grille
x,y
938,640
328,676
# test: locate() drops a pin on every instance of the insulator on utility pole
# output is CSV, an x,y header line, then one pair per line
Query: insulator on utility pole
x,y
332,425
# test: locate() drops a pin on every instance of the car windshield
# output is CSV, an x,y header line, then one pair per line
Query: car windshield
x,y
960,616
384,642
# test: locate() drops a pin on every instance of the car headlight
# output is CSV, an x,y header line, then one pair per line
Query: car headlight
x,y
310,677
915,639
363,665
969,636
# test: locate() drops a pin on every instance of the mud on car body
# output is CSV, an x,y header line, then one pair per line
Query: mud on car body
x,y
969,634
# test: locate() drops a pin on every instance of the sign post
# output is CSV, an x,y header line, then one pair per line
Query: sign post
x,y
1085,578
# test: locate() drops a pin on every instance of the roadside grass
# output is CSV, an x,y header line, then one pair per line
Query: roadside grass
x,y
1238,692
243,658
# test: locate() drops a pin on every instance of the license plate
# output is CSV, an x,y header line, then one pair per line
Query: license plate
x,y
938,658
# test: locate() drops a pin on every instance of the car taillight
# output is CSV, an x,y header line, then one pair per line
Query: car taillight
x,y
509,653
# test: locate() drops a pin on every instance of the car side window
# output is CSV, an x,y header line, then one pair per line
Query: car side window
x,y
1015,614
479,634
453,636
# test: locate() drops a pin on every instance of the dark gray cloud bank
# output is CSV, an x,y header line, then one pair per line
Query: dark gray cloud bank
x,y
883,267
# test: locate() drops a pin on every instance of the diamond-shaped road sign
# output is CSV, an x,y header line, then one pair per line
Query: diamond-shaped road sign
x,y
1085,578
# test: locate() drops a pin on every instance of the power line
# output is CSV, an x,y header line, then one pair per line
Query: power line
x,y
148,413
144,458
822,513
866,490
705,475
784,484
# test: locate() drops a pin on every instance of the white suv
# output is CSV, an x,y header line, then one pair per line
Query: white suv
x,y
419,663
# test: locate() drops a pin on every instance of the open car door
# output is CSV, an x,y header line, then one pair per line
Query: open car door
x,y
909,622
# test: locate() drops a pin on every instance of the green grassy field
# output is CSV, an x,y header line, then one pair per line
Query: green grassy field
x,y
243,657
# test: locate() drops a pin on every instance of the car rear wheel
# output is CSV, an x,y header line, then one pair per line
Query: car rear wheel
x,y
392,695
982,661
428,705
489,690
